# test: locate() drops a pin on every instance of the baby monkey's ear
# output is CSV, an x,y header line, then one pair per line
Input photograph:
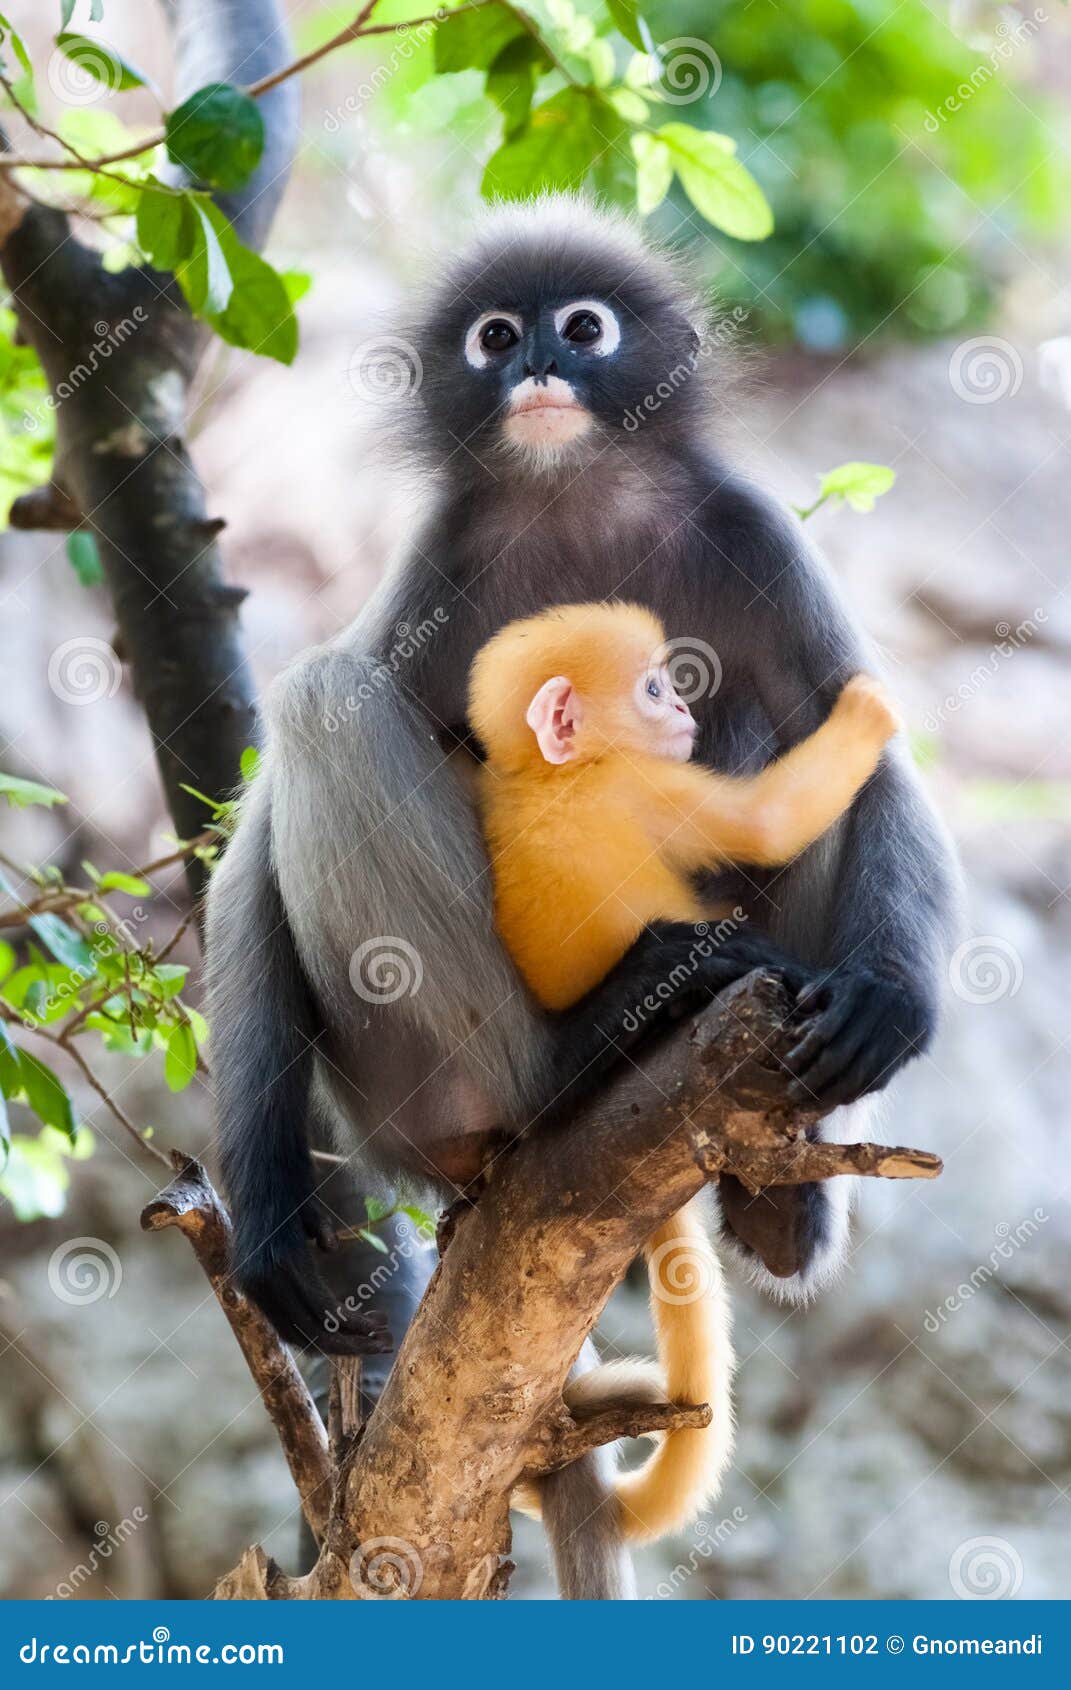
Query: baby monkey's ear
x,y
554,715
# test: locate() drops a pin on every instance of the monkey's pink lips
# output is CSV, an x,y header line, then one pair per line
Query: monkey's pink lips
x,y
550,403
545,416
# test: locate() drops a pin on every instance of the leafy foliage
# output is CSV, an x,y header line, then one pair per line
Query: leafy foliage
x,y
87,975
882,190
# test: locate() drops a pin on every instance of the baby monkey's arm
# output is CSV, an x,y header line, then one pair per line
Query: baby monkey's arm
x,y
700,818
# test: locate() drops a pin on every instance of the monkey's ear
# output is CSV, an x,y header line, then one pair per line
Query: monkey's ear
x,y
554,715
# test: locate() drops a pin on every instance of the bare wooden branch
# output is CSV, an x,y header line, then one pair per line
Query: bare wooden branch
x,y
565,1436
191,1204
48,506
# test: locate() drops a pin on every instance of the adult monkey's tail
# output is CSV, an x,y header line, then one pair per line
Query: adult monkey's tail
x,y
690,1309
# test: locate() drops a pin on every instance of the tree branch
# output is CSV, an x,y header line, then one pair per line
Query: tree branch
x,y
474,1402
119,352
191,1204
360,29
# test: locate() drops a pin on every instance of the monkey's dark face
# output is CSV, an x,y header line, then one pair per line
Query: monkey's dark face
x,y
550,347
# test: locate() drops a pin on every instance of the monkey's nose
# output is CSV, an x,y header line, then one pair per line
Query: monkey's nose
x,y
540,375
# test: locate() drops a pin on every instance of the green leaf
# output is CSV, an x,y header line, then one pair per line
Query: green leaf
x,y
39,1088
217,135
188,234
180,1063
205,277
198,1025
473,40
9,1062
370,1238
84,557
20,793
297,284
376,1210
249,762
555,149
168,978
8,32
166,226
259,315
511,80
116,881
100,61
629,105
5,1130
7,963
66,945
859,483
626,19
423,1222
654,172
717,184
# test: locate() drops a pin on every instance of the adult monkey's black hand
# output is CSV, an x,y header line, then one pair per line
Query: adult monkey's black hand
x,y
857,1029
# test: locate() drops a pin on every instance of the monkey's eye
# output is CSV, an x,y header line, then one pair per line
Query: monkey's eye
x,y
653,688
498,335
583,328
590,325
492,334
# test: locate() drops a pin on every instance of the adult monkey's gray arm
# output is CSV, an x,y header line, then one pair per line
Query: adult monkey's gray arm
x,y
122,468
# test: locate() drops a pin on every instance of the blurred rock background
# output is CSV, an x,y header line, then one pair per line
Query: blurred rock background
x,y
909,1435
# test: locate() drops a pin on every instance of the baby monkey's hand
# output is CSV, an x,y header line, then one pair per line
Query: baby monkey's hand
x,y
867,711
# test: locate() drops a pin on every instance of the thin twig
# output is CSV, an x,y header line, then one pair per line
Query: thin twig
x,y
59,898
359,29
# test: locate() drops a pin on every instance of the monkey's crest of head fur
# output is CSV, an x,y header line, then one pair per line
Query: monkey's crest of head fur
x,y
669,374
600,647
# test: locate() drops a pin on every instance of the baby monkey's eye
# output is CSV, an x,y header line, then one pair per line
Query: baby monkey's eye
x,y
653,688
498,335
583,328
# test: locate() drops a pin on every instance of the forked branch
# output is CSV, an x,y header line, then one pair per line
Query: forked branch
x,y
474,1401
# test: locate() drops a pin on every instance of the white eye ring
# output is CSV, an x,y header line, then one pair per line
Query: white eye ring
x,y
474,352
611,328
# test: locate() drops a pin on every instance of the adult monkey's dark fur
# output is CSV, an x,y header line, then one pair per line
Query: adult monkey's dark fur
x,y
360,829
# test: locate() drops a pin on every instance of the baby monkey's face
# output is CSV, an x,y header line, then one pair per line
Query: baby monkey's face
x,y
645,715
665,727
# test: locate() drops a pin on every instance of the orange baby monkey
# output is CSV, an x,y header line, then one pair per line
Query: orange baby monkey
x,y
595,820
